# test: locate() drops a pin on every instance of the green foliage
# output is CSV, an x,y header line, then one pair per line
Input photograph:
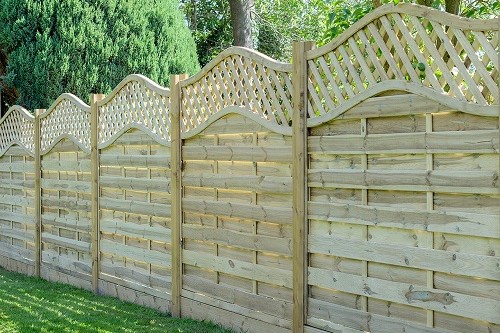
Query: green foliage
x,y
483,9
210,23
343,14
84,46
280,23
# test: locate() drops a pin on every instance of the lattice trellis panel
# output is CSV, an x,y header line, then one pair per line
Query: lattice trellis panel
x,y
136,102
17,126
426,50
68,117
239,77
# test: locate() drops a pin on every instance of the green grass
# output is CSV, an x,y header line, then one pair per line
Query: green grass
x,y
29,304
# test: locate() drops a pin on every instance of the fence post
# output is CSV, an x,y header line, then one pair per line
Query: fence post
x,y
94,158
299,172
38,194
176,190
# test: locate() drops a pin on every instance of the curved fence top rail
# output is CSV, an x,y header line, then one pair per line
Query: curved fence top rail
x,y
445,57
67,118
238,79
137,102
17,127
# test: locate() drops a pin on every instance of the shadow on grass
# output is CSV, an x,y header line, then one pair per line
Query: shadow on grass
x,y
33,305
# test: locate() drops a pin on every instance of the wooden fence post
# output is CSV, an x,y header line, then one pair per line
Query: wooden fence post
x,y
176,190
38,194
299,172
94,157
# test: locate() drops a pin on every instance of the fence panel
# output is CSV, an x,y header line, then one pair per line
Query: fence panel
x,y
403,177
134,199
65,192
17,168
237,193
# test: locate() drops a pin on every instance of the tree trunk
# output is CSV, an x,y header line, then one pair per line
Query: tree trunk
x,y
241,21
452,6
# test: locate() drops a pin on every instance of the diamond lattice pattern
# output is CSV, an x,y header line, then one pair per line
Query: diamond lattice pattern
x,y
135,105
458,63
17,128
238,81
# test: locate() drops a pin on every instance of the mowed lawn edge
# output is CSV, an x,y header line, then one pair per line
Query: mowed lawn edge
x,y
29,304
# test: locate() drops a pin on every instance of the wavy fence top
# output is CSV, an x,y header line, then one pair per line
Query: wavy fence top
x,y
406,47
238,80
137,102
67,118
17,127
411,48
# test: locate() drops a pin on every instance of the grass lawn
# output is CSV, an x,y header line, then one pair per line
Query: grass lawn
x,y
29,304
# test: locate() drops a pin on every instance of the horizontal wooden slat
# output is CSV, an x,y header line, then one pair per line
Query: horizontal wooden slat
x,y
66,185
390,106
235,153
481,141
361,320
17,184
69,265
480,182
139,161
419,296
145,231
81,225
202,309
237,210
65,203
135,253
252,313
276,307
260,184
16,200
73,166
27,219
136,184
429,259
136,286
238,239
276,276
20,234
66,242
18,167
134,274
135,207
17,253
448,222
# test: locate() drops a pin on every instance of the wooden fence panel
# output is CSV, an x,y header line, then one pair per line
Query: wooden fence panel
x,y
402,232
65,192
237,220
17,223
236,183
134,198
17,183
66,207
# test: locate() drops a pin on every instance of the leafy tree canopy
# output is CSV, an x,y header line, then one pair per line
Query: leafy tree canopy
x,y
277,23
84,46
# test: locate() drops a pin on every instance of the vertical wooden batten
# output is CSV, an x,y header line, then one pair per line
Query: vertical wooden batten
x,y
94,156
300,161
176,190
38,194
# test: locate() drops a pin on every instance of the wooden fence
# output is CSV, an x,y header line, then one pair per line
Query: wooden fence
x,y
353,190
